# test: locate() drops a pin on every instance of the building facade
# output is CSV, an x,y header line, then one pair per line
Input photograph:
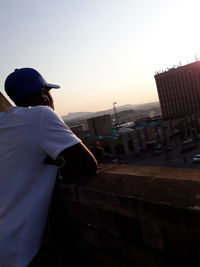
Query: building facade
x,y
179,90
100,126
76,129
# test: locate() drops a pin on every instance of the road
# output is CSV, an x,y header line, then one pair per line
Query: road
x,y
173,158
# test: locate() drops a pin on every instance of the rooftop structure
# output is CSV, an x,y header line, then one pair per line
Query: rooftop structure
x,y
99,126
4,103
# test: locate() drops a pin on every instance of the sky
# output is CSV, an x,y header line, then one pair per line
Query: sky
x,y
98,51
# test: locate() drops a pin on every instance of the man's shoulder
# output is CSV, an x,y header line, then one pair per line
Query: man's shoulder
x,y
44,114
40,114
36,110
31,112
40,109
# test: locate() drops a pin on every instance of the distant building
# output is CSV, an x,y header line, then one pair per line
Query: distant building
x,y
76,129
179,90
82,132
100,126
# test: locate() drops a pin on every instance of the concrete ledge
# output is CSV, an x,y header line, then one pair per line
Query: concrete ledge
x,y
150,211
160,186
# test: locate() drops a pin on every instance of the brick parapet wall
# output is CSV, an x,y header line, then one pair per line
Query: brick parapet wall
x,y
127,218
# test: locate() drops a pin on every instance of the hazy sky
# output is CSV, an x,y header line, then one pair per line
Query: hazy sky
x,y
99,51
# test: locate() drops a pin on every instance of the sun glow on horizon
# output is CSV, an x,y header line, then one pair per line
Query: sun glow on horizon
x,y
100,51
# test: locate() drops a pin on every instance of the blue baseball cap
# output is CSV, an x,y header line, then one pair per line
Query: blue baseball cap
x,y
25,81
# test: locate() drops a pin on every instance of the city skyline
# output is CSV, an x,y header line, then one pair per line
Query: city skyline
x,y
100,52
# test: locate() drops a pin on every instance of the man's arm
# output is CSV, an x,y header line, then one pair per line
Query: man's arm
x,y
54,136
79,161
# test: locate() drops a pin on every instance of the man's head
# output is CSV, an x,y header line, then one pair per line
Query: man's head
x,y
27,87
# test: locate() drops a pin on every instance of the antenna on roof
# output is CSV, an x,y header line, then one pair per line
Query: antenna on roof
x,y
196,58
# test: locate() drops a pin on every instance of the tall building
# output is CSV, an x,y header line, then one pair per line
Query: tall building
x,y
179,90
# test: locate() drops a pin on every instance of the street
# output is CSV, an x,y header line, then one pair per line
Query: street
x,y
173,158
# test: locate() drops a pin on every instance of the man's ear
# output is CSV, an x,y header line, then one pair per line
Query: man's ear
x,y
45,99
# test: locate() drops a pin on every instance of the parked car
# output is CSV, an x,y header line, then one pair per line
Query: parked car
x,y
169,148
187,145
158,146
157,152
197,137
196,159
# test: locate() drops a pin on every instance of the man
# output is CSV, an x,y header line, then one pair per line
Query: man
x,y
99,153
31,134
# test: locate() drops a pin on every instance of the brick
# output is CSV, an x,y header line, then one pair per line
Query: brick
x,y
152,235
125,227
87,234
76,211
94,216
179,241
66,192
134,255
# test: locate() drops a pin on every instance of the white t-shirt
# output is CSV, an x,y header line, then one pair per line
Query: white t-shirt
x,y
27,136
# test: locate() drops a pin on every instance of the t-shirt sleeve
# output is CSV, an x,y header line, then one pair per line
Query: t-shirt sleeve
x,y
54,134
